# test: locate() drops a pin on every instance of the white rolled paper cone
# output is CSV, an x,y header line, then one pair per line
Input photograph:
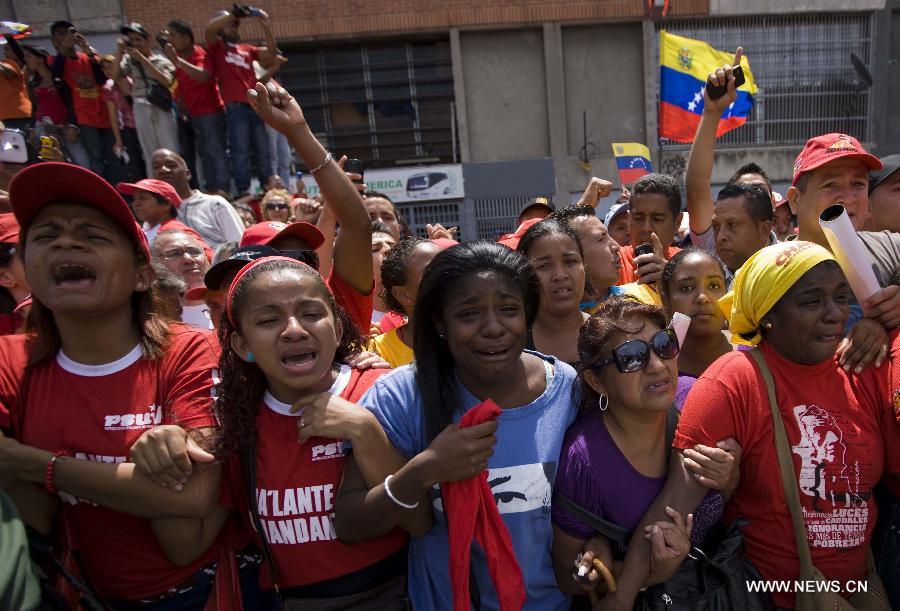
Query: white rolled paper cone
x,y
680,324
849,251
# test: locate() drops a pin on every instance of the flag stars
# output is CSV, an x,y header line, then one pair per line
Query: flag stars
x,y
698,98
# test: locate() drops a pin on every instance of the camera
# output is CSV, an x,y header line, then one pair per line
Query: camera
x,y
244,10
162,40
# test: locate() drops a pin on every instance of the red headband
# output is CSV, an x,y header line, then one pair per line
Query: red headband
x,y
240,276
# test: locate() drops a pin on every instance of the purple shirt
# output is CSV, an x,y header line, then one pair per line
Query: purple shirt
x,y
596,475
685,383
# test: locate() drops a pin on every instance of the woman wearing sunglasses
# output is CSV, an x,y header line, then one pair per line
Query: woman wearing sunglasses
x,y
692,282
628,380
554,253
276,206
791,300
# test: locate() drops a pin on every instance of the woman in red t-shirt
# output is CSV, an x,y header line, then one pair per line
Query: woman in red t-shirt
x,y
286,410
98,368
792,300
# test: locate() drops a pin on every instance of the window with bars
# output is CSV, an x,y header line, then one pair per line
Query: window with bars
x,y
388,103
802,66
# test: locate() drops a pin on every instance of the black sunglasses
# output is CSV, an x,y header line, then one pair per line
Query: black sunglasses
x,y
304,256
277,207
633,355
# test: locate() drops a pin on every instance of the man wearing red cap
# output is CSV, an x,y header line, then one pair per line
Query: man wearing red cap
x,y
14,287
156,203
834,169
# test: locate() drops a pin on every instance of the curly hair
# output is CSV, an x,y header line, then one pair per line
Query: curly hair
x,y
244,384
393,270
435,365
661,184
621,314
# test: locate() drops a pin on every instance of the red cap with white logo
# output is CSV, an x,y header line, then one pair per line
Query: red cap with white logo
x,y
825,149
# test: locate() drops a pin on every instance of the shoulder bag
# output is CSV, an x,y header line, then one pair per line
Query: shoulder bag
x,y
875,597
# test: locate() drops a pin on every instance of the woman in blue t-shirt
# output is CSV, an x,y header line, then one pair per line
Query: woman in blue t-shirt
x,y
475,305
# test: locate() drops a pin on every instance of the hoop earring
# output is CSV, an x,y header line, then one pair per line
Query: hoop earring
x,y
603,402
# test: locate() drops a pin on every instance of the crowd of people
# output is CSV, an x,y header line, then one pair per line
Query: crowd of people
x,y
221,402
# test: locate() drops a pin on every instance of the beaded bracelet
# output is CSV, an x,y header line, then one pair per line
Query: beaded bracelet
x,y
391,496
58,456
327,159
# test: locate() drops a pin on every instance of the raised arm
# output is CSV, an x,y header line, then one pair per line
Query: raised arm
x,y
279,109
214,27
195,72
698,178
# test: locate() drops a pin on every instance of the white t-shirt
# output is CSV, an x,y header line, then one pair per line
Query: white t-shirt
x,y
212,217
197,316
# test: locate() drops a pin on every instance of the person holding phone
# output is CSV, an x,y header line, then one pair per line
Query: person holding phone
x,y
233,63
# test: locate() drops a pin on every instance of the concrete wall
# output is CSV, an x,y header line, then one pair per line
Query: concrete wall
x,y
91,16
505,94
763,7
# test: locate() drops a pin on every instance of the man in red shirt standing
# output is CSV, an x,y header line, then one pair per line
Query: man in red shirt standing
x,y
85,78
233,61
198,91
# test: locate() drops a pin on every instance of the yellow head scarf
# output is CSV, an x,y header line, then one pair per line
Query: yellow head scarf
x,y
763,280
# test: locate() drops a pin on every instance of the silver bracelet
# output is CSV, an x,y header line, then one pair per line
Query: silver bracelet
x,y
327,159
391,496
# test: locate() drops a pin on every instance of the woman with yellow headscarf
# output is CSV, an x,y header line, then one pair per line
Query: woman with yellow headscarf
x,y
790,300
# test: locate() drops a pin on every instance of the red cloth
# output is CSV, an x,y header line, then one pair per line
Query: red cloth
x,y
234,69
626,255
97,413
471,510
86,93
296,486
893,483
357,306
843,436
10,324
511,240
391,321
50,104
199,98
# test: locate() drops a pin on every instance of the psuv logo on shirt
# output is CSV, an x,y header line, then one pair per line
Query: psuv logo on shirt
x,y
327,451
238,57
131,422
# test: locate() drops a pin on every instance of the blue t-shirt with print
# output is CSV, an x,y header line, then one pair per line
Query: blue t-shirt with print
x,y
521,473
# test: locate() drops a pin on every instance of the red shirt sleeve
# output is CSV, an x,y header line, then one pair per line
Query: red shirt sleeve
x,y
13,356
191,375
254,52
357,306
709,413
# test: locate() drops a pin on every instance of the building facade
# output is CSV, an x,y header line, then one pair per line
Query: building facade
x,y
527,95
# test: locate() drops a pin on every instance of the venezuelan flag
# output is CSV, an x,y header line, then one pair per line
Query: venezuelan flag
x,y
632,160
684,64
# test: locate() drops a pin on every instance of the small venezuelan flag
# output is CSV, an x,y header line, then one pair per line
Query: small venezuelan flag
x,y
684,64
632,160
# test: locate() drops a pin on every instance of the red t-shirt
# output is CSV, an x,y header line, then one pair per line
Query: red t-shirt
x,y
97,413
87,99
357,306
296,486
627,275
199,98
9,324
234,69
892,481
50,104
839,427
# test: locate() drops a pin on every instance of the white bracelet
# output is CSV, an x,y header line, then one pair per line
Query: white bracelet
x,y
328,158
387,489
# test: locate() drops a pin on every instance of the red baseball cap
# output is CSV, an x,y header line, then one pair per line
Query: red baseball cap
x,y
153,186
825,149
47,183
9,228
267,231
